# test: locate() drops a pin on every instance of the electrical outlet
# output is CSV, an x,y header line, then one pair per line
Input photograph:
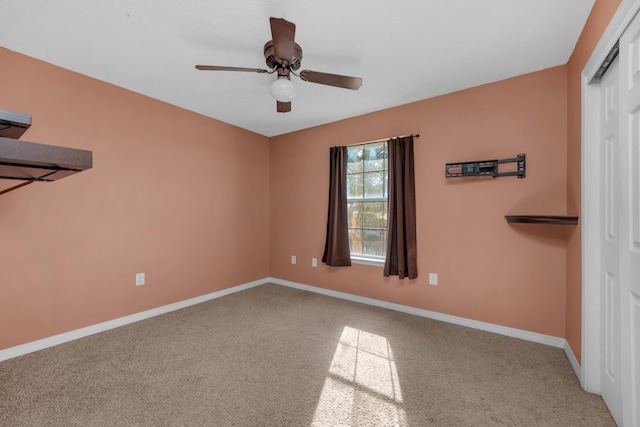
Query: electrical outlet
x,y
293,259
139,279
433,279
314,262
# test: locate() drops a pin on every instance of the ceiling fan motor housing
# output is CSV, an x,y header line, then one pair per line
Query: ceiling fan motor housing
x,y
273,62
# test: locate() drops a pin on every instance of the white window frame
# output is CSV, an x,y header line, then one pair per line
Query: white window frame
x,y
366,259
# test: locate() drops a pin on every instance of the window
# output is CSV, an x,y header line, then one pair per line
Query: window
x,y
367,193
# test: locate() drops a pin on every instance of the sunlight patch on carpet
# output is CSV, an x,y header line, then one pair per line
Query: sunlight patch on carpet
x,y
362,387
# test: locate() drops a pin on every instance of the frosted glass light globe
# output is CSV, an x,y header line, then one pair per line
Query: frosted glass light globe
x,y
283,90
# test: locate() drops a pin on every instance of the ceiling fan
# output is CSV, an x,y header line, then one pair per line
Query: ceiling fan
x,y
283,55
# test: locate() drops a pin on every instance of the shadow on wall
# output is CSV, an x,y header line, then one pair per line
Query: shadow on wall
x,y
551,234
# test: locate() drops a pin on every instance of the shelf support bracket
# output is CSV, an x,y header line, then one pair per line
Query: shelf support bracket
x,y
30,181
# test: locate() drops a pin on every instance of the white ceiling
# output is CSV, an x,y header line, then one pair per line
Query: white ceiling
x,y
404,50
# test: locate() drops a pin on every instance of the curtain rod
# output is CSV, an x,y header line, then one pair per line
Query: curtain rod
x,y
417,135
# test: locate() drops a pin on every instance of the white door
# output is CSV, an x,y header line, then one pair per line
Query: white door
x,y
630,221
610,357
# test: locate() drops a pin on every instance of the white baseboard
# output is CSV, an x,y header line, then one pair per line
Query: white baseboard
x,y
111,324
573,360
489,327
23,349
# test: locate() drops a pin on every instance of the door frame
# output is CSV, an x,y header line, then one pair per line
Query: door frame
x,y
591,197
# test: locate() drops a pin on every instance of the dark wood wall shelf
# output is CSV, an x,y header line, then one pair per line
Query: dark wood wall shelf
x,y
31,162
13,125
542,219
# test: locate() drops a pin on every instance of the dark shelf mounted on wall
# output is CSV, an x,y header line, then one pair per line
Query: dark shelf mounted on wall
x,y
487,168
542,219
31,162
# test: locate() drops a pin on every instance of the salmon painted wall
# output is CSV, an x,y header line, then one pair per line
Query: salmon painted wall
x,y
599,18
176,195
511,275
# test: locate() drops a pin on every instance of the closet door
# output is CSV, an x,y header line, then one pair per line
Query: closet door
x,y
610,357
630,221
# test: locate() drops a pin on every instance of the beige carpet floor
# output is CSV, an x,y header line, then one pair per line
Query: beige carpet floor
x,y
276,356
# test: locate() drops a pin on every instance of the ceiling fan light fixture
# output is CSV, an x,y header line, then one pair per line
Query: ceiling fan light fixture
x,y
283,55
282,89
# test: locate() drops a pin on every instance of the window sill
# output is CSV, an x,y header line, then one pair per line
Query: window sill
x,y
367,261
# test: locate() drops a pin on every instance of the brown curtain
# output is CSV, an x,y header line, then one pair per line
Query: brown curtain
x,y
336,247
401,259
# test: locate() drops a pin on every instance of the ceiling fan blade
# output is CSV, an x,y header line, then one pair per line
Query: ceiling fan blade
x,y
221,68
336,80
283,34
284,107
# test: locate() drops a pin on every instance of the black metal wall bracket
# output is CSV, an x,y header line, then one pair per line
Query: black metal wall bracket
x,y
28,180
486,168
